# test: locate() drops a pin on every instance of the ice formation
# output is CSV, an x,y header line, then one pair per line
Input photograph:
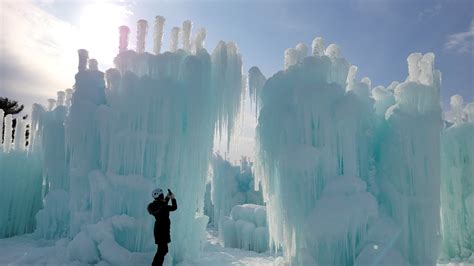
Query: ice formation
x,y
152,123
158,36
350,174
375,151
246,228
230,186
457,189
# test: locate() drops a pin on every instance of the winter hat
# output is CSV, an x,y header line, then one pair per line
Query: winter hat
x,y
156,193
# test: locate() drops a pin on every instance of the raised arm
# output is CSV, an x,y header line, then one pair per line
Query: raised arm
x,y
173,206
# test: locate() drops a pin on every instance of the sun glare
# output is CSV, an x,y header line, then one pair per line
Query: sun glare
x,y
98,30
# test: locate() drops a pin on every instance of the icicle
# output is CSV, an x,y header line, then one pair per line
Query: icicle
x,y
124,31
61,98
83,57
51,104
158,36
291,57
142,28
456,103
318,46
302,51
19,135
69,93
7,137
2,115
198,42
174,39
186,35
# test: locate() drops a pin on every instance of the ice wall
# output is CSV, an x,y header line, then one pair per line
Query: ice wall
x,y
309,131
408,160
151,124
245,228
317,125
457,185
231,185
20,179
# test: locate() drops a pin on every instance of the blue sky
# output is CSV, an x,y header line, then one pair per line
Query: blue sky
x,y
377,36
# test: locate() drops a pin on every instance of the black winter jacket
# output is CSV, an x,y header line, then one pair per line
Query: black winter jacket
x,y
161,210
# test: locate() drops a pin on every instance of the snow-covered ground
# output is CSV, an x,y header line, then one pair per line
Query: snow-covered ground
x,y
25,250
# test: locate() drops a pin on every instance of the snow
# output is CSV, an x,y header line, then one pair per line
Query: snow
x,y
25,249
245,228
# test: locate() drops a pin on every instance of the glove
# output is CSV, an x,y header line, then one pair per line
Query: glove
x,y
170,194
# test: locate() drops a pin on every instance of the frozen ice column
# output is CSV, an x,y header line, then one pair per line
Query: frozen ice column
x,y
83,57
457,186
186,35
174,39
124,31
159,24
142,27
409,161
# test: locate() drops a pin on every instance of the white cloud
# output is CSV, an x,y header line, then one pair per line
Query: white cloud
x,y
462,42
36,55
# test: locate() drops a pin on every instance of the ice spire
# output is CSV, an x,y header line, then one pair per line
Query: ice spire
x,y
142,27
174,39
7,141
199,40
2,113
51,104
61,98
69,93
186,35
456,103
256,82
93,64
83,57
124,31
291,57
302,51
159,24
318,46
19,135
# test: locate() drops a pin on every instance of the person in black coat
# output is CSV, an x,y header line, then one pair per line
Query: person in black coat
x,y
161,210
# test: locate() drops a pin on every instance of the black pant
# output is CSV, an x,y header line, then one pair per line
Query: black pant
x,y
160,254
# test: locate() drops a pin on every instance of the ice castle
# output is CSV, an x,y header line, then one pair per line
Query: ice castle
x,y
350,174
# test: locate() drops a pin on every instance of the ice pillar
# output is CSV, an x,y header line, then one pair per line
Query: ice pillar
x,y
409,162
174,39
186,35
457,186
7,137
2,115
158,41
83,57
124,31
142,28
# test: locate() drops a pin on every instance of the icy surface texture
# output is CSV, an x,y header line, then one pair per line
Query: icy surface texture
x,y
409,160
338,223
457,186
246,228
256,81
320,129
20,179
20,192
158,36
52,221
230,186
309,132
153,126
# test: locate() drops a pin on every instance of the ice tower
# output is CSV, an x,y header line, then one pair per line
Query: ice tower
x,y
151,124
